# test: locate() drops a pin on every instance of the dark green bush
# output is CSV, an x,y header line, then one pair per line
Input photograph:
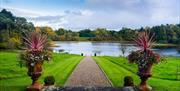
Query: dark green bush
x,y
49,80
128,81
3,45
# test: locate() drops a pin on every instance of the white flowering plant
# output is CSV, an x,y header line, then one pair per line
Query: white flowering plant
x,y
36,56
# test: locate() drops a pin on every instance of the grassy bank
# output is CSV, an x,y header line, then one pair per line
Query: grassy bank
x,y
163,79
14,77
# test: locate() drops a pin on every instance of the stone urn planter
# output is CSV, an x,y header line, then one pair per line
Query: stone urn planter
x,y
35,54
35,71
144,74
145,61
145,57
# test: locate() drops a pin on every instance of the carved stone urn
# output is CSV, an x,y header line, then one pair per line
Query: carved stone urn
x,y
35,71
144,74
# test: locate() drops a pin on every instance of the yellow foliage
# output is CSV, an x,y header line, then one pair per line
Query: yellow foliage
x,y
46,30
37,29
14,42
50,31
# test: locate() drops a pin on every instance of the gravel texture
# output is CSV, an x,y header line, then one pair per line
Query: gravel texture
x,y
87,74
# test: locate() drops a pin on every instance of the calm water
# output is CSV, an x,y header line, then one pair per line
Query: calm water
x,y
104,48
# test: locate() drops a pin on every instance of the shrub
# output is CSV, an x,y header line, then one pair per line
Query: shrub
x,y
128,81
49,80
14,43
3,45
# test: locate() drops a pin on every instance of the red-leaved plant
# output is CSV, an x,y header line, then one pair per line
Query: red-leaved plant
x,y
145,55
36,48
36,41
145,41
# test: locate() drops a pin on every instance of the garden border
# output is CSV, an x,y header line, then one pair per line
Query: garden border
x,y
104,73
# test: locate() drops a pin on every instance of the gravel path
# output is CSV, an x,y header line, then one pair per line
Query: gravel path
x,y
87,74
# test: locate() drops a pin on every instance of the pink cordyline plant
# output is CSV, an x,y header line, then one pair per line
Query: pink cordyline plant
x,y
36,41
144,58
145,55
34,56
145,41
37,45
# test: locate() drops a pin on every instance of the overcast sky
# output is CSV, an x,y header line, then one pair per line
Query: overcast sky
x,y
110,14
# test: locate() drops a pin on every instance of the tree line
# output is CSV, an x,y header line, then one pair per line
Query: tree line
x,y
13,28
169,33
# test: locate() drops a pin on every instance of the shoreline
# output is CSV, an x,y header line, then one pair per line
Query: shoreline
x,y
125,42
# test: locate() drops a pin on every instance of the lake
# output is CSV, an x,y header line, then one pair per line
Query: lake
x,y
104,48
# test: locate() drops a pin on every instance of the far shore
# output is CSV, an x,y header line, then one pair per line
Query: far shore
x,y
156,45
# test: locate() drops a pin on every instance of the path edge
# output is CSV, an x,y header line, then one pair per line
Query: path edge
x,y
65,85
104,73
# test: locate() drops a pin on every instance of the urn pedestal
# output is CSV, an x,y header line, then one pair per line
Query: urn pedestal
x,y
35,71
144,74
143,85
35,87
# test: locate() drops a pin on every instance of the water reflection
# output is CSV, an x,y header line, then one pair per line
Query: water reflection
x,y
104,48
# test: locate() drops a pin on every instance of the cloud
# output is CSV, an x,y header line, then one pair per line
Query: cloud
x,y
72,12
56,21
137,12
22,12
45,18
113,5
164,11
53,21
5,1
111,14
106,19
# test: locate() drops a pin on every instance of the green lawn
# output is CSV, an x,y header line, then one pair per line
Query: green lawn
x,y
14,77
164,74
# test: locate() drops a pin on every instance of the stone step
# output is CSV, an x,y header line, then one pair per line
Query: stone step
x,y
60,88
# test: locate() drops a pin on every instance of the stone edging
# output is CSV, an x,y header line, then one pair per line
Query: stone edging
x,y
73,71
104,74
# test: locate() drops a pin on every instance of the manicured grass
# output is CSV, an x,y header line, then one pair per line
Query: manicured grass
x,y
12,76
163,79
